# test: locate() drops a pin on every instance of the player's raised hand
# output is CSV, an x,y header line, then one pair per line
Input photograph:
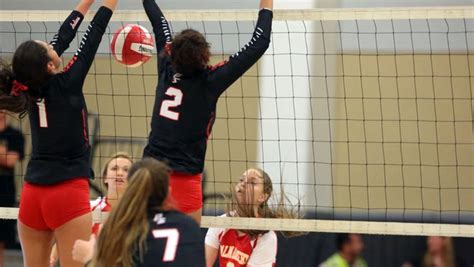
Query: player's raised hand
x,y
83,250
268,4
111,4
84,6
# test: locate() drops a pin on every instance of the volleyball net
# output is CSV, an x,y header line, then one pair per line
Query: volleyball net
x,y
362,116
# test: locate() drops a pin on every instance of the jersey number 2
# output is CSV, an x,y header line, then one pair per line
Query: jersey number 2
x,y
43,119
167,104
171,245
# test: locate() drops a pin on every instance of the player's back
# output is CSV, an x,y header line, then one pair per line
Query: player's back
x,y
185,103
59,121
174,240
59,133
183,116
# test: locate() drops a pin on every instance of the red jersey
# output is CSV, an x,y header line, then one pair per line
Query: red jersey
x,y
104,206
240,250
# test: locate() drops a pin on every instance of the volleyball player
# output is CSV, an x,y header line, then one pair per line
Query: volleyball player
x,y
55,198
12,151
186,98
115,178
141,231
252,248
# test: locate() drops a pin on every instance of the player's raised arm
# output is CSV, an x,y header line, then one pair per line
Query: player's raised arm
x,y
80,64
110,4
83,6
159,23
68,29
226,74
267,4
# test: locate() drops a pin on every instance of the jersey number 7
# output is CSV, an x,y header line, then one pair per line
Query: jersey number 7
x,y
171,245
167,104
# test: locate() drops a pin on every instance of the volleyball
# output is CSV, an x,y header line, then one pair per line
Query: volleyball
x,y
132,45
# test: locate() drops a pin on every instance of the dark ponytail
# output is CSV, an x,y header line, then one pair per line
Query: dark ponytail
x,y
9,102
21,82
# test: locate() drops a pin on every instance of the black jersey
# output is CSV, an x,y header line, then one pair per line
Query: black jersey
x,y
184,110
58,120
13,141
175,240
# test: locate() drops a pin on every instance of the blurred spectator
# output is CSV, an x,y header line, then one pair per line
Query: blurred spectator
x,y
439,253
349,249
12,146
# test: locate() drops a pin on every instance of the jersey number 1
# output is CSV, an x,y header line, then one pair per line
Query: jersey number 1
x,y
171,245
43,119
167,104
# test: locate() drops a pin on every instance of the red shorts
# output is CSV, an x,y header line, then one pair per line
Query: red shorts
x,y
47,207
186,191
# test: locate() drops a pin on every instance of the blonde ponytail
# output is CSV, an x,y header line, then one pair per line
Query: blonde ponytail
x,y
125,231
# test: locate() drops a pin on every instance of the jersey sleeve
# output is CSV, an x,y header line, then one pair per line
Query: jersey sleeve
x,y
227,72
212,237
160,24
67,32
80,64
264,253
95,203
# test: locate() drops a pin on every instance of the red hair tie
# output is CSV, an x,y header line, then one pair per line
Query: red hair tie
x,y
17,88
